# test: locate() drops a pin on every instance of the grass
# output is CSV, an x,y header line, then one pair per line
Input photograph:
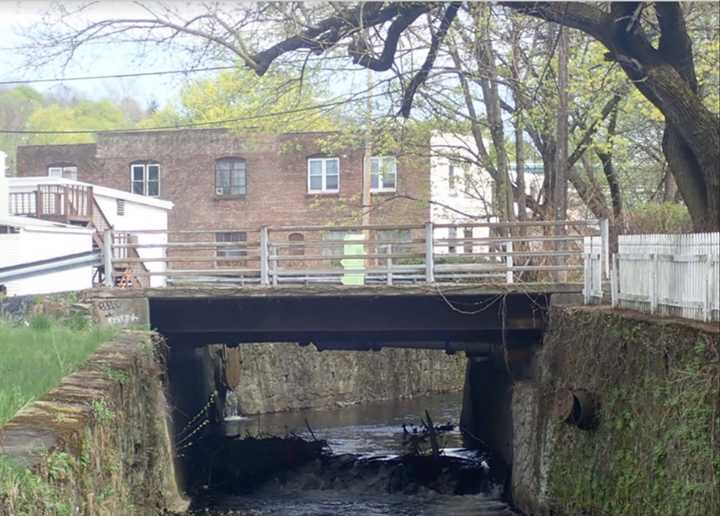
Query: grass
x,y
34,358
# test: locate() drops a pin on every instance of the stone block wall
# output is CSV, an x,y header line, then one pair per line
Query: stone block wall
x,y
656,446
98,444
281,377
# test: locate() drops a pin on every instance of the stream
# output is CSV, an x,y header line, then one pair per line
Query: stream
x,y
373,433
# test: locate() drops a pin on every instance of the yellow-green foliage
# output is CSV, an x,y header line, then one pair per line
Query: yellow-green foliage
x,y
246,102
659,218
85,115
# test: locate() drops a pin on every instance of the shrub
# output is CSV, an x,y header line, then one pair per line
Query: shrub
x,y
664,217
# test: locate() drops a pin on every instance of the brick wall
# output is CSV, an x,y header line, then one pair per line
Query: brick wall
x,y
276,177
34,160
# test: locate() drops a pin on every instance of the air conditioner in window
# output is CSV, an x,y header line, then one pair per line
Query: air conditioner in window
x,y
219,190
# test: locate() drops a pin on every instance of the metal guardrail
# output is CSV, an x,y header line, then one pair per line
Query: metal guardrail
x,y
471,252
57,264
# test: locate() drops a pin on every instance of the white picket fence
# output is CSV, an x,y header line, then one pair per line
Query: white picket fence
x,y
595,254
672,275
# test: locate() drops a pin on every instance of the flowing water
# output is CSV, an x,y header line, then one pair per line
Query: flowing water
x,y
370,430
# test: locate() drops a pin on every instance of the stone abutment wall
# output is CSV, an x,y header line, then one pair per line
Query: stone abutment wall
x,y
99,443
281,377
655,447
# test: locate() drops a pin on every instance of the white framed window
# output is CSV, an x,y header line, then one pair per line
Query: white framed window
x,y
383,174
453,169
64,171
145,178
230,176
323,175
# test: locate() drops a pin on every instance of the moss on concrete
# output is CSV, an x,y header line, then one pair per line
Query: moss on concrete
x,y
97,444
657,447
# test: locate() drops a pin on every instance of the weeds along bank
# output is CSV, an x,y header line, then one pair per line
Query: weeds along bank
x,y
656,447
98,443
36,354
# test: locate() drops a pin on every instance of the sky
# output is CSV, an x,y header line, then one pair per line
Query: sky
x,y
17,19
20,19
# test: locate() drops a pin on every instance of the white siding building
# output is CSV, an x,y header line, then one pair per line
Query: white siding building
x,y
463,192
92,209
25,240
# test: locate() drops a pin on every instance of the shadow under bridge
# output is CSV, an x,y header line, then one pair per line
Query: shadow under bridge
x,y
473,320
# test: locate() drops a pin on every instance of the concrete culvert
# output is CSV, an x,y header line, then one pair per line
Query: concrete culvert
x,y
577,407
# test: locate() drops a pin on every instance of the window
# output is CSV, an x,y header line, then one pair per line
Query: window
x,y
230,176
64,171
383,174
145,178
120,207
296,249
323,175
469,183
452,180
452,235
9,230
467,246
231,251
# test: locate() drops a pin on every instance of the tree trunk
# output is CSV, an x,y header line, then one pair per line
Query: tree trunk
x,y
606,158
666,77
489,84
561,154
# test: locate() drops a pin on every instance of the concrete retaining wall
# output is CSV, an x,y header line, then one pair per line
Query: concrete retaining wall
x,y
656,446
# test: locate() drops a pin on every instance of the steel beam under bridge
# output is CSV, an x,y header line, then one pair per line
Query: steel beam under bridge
x,y
453,318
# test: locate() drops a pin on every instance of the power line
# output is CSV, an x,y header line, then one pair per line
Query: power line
x,y
118,76
190,125
145,74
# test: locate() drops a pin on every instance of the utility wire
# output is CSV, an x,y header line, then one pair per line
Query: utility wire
x,y
190,125
117,76
137,74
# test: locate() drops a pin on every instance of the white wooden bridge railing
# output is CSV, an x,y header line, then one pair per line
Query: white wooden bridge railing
x,y
532,251
673,275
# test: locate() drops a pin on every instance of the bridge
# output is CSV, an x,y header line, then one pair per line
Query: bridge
x,y
472,287
479,288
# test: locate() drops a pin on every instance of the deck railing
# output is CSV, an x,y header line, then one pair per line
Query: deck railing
x,y
65,203
534,251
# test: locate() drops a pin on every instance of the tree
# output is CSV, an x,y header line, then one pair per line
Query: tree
x,y
245,102
83,115
649,41
16,106
662,71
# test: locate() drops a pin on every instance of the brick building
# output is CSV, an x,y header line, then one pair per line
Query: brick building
x,y
220,179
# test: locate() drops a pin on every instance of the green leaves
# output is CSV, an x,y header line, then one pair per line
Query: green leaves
x,y
243,101
83,115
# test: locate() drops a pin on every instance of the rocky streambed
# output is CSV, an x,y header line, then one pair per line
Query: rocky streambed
x,y
350,469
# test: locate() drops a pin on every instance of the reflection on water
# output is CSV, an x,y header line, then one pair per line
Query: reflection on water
x,y
373,429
